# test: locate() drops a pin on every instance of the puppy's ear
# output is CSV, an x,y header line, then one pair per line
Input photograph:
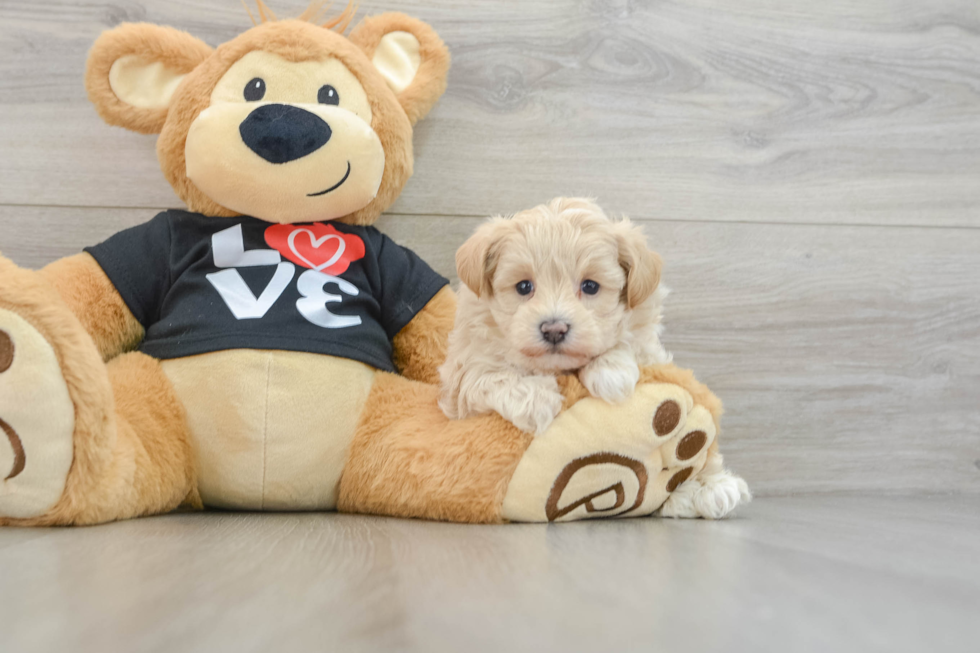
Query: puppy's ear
x,y
409,55
642,266
134,69
476,260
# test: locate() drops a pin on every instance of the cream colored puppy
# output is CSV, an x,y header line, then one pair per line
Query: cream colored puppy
x,y
556,288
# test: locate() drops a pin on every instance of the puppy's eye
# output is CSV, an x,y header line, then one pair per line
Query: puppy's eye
x,y
328,95
590,287
255,90
524,287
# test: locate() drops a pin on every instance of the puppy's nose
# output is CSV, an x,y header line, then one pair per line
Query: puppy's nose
x,y
280,133
554,331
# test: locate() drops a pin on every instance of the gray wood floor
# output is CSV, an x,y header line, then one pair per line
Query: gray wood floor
x,y
789,574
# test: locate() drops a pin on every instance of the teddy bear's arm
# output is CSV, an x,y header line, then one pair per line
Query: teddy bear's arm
x,y
96,303
420,347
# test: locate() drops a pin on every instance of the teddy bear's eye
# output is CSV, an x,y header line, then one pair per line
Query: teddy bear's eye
x,y
590,287
524,287
255,90
328,95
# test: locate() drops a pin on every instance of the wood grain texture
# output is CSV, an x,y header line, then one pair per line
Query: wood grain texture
x,y
789,111
752,137
839,574
848,357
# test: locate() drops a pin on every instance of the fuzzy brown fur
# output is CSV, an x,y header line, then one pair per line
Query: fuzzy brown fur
x,y
177,50
26,293
93,299
409,460
420,347
130,447
152,425
430,80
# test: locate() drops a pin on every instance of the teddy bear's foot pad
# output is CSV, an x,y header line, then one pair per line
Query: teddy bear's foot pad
x,y
37,421
605,460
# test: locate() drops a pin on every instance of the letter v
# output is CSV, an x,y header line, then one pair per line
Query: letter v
x,y
239,298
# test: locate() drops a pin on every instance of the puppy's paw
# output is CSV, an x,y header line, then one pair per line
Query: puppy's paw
x,y
720,494
712,496
532,403
611,377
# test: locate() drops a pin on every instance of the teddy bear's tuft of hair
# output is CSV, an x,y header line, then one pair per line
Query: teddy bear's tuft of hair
x,y
313,14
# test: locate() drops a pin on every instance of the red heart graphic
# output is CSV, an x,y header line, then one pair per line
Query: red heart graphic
x,y
316,246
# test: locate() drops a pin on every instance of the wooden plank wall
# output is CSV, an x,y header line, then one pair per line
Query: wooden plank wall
x,y
809,171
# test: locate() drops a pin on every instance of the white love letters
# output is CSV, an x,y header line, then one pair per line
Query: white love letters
x,y
228,248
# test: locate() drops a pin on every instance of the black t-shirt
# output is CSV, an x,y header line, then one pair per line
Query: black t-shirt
x,y
199,284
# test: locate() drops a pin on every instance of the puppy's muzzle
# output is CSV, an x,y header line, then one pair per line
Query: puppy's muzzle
x,y
554,331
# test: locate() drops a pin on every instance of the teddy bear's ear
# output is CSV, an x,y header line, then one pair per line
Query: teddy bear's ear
x,y
409,55
134,69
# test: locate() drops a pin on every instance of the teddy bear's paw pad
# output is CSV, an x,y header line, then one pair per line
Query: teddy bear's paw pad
x,y
599,459
600,485
681,456
668,416
37,420
689,443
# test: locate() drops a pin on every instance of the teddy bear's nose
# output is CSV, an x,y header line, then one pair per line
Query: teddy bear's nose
x,y
280,133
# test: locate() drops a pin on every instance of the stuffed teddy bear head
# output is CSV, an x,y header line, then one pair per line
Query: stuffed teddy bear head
x,y
289,122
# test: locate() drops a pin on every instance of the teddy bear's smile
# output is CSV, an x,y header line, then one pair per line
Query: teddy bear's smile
x,y
335,186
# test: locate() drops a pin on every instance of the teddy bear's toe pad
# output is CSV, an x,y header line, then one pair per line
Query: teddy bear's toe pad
x,y
691,442
37,420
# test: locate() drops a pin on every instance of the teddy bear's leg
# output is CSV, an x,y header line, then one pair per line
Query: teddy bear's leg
x,y
407,459
152,465
80,442
596,460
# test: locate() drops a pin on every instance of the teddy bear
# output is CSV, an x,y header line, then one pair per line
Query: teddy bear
x,y
267,348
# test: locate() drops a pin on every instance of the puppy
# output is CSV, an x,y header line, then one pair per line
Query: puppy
x,y
557,288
